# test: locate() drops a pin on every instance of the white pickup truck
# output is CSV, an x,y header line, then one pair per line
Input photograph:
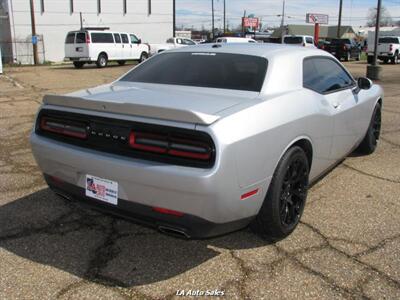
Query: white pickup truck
x,y
388,49
171,43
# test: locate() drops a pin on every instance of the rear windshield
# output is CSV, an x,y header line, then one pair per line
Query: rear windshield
x,y
81,38
340,42
212,70
389,40
102,38
70,38
293,40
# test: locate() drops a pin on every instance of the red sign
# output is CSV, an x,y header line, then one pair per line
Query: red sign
x,y
317,19
250,22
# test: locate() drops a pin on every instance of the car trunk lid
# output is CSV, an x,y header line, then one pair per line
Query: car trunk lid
x,y
174,103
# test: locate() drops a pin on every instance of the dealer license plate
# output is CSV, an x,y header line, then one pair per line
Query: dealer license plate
x,y
102,189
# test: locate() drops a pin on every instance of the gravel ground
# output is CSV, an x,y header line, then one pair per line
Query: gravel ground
x,y
347,246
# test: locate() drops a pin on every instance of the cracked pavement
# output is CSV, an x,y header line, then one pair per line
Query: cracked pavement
x,y
346,247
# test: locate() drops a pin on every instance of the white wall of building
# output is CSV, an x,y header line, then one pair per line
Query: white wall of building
x,y
57,19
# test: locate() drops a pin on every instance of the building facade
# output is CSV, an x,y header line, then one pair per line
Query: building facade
x,y
151,20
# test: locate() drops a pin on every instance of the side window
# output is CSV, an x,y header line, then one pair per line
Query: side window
x,y
102,38
170,41
309,40
188,42
324,75
179,41
125,39
117,38
134,39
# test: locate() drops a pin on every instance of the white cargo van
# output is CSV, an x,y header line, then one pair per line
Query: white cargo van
x,y
102,46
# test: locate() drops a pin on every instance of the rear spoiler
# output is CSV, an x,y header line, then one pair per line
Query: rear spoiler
x,y
132,109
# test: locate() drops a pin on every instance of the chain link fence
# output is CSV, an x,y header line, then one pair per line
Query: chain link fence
x,y
20,51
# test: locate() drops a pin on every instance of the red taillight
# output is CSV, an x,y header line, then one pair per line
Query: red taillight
x,y
169,145
87,38
63,128
168,211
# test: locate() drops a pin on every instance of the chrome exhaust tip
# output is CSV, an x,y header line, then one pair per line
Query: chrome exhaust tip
x,y
173,231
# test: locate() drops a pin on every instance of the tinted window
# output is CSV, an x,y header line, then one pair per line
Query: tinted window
x,y
340,42
117,38
80,38
214,70
134,39
324,75
309,40
389,40
170,41
293,40
188,42
102,38
125,39
70,38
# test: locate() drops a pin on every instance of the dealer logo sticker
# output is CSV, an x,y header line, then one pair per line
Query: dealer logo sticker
x,y
102,189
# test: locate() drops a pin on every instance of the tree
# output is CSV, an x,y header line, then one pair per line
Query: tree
x,y
386,19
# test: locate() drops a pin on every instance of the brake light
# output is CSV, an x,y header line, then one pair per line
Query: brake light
x,y
87,38
63,128
167,211
170,145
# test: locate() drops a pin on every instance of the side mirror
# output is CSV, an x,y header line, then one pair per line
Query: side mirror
x,y
364,83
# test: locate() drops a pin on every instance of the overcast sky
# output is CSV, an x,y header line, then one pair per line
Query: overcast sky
x,y
198,12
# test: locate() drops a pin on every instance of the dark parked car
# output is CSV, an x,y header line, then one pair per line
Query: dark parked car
x,y
344,48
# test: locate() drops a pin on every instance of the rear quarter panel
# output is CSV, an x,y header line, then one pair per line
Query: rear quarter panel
x,y
261,134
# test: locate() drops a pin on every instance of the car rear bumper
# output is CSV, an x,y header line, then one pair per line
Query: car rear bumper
x,y
82,59
186,226
211,195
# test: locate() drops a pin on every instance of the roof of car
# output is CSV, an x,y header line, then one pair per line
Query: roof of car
x,y
267,50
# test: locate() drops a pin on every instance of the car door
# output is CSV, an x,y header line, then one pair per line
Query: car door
x,y
118,46
135,46
336,86
126,47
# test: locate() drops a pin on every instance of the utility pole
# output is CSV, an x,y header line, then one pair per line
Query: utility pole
x,y
33,24
283,21
224,16
173,18
340,19
212,26
374,70
244,16
81,19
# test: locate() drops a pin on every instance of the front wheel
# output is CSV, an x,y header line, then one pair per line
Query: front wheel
x,y
143,57
395,59
370,141
286,197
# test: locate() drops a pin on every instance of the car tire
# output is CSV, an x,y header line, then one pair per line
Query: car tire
x,y
102,60
122,62
370,141
395,59
385,60
78,64
143,57
280,214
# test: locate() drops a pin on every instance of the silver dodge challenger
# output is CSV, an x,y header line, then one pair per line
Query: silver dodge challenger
x,y
208,139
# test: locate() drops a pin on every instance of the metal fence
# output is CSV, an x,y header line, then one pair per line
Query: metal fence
x,y
20,51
